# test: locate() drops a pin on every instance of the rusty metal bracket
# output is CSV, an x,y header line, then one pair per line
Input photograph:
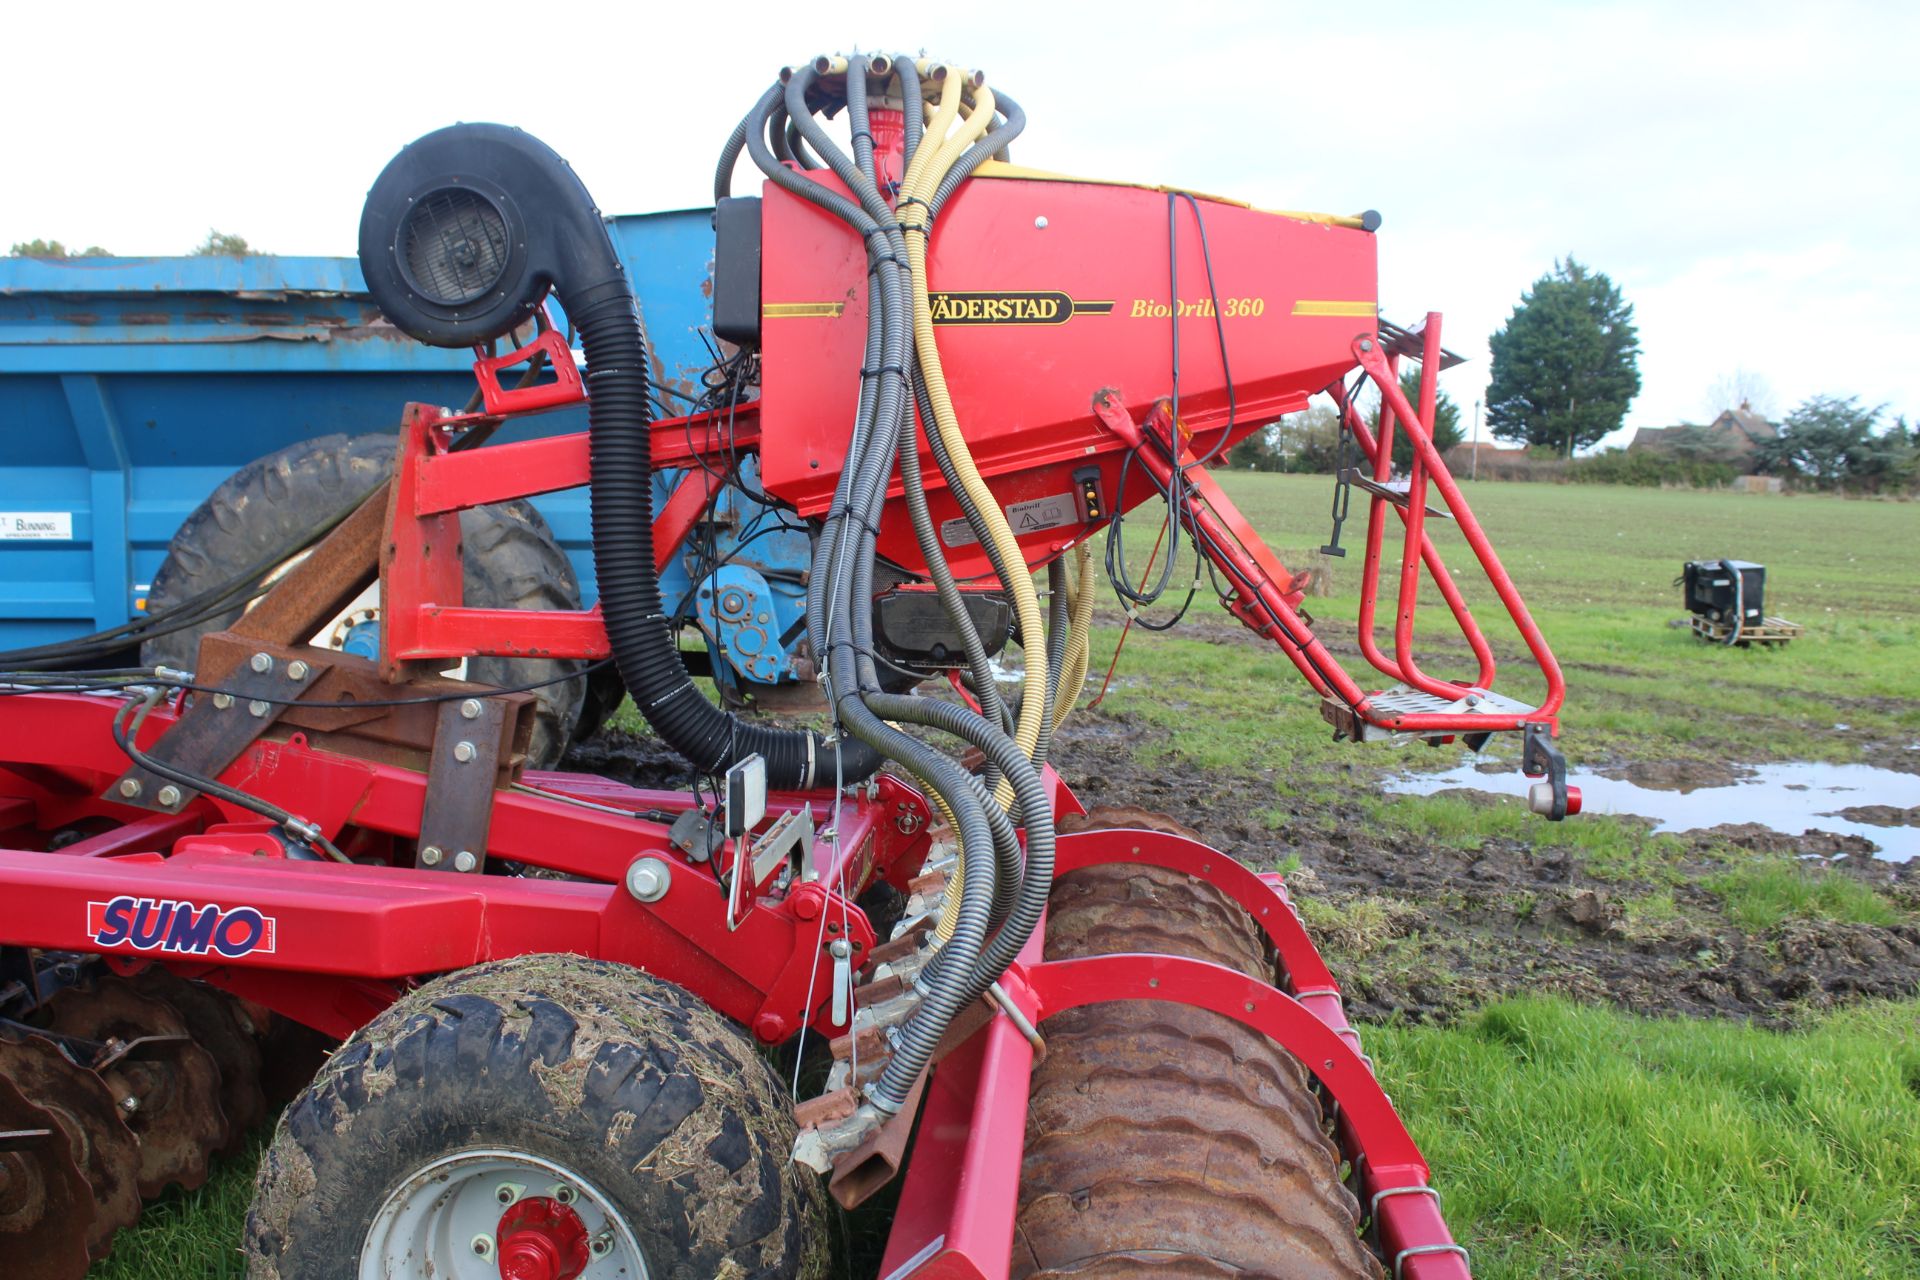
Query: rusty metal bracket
x,y
212,732
461,777
337,570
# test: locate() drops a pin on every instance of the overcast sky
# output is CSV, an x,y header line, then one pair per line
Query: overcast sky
x,y
1748,174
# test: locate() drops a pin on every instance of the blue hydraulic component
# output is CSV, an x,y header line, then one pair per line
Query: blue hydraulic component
x,y
741,578
131,387
363,639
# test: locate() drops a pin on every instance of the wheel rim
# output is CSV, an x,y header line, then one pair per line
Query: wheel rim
x,y
363,609
446,1220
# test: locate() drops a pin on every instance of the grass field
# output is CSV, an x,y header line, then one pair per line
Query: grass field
x,y
1771,1131
1572,1138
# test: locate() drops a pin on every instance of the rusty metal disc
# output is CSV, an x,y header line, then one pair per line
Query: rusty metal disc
x,y
214,1020
105,1149
167,1087
45,1204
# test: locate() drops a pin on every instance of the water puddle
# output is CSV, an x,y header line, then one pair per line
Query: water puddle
x,y
1788,798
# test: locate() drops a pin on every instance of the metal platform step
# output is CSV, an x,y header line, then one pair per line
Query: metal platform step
x,y
1394,491
1401,701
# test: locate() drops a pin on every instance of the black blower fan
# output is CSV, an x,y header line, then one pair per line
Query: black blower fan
x,y
466,229
453,246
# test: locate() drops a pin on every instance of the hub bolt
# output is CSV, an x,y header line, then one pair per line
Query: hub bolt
x,y
564,1194
463,752
648,879
464,861
470,709
483,1246
130,787
431,855
262,663
169,796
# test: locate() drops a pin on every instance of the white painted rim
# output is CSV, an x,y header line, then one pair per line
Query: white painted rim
x,y
433,1223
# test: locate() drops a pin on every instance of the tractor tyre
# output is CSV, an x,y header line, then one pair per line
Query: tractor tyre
x,y
271,510
1165,1140
548,1111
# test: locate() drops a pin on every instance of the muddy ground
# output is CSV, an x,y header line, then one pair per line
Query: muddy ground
x,y
1428,933
1442,931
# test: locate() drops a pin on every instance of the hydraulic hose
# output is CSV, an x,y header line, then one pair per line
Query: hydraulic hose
x,y
1079,636
837,609
1057,637
1033,803
736,143
619,412
944,585
922,181
996,883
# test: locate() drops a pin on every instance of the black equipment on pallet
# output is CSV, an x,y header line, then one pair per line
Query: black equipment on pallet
x,y
1726,591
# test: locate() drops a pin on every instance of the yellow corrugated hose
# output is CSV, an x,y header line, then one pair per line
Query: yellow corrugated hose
x,y
1073,674
947,137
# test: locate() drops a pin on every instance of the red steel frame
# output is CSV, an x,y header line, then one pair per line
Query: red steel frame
x,y
422,589
1264,596
348,939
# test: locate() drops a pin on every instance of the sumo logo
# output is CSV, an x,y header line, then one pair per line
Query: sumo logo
x,y
179,928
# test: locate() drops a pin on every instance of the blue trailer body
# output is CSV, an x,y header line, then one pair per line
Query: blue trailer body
x,y
131,387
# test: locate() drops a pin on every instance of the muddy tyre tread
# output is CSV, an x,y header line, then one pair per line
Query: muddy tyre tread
x,y
636,1085
1165,1140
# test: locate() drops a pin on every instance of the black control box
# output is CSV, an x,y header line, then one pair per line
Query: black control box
x,y
736,270
1726,590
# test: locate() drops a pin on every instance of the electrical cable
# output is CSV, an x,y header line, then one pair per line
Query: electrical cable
x,y
124,734
152,676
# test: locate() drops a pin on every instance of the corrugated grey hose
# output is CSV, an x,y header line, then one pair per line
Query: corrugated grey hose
x,y
840,615
874,433
920,1035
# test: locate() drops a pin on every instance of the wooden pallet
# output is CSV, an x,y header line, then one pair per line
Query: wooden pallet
x,y
1770,631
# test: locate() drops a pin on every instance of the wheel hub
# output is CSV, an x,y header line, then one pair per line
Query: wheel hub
x,y
494,1214
541,1239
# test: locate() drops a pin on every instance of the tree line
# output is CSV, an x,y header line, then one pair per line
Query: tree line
x,y
1566,367
218,244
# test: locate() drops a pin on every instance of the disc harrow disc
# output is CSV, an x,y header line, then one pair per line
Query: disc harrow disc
x,y
168,1087
214,1019
45,1204
102,1146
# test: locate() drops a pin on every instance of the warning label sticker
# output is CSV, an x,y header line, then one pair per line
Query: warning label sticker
x,y
36,526
1052,512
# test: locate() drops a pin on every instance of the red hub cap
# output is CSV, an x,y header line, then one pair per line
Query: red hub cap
x,y
541,1239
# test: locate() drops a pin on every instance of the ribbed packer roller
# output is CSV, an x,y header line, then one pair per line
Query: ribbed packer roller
x,y
1162,1136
